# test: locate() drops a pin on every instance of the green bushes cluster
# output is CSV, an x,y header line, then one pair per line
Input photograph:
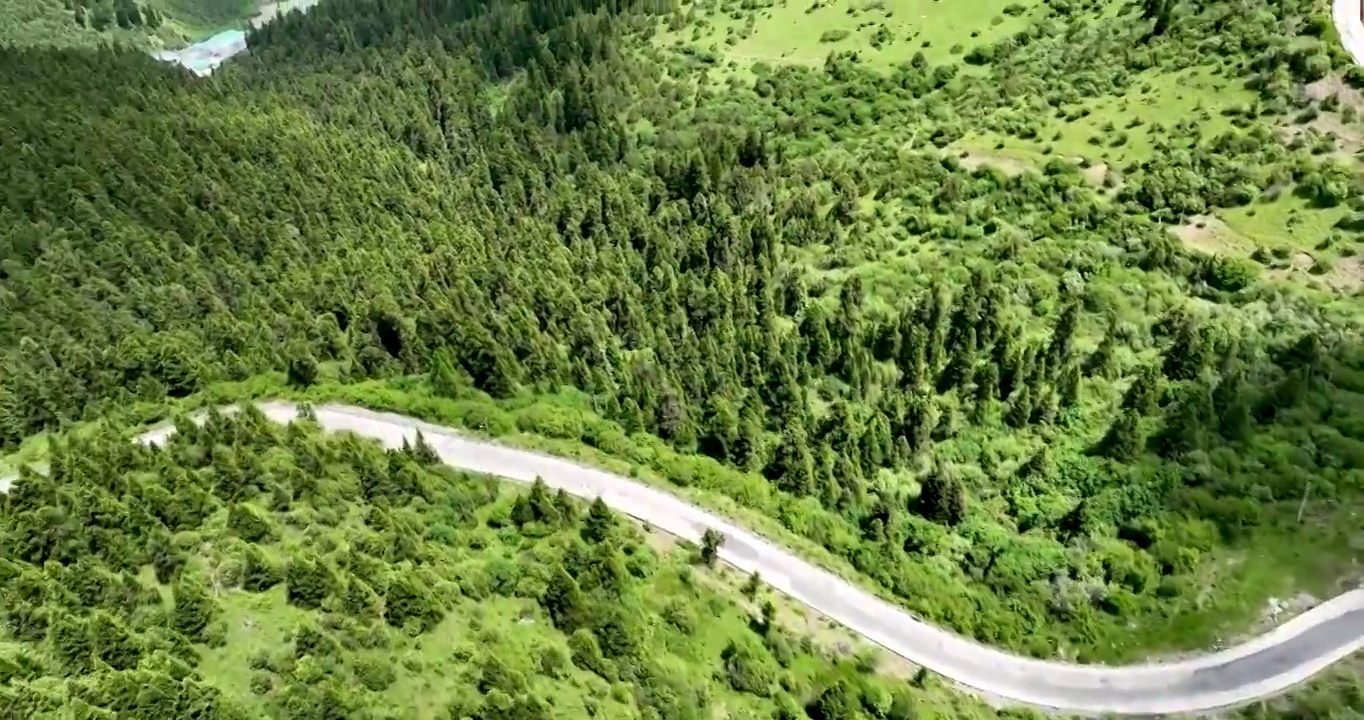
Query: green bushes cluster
x,y
1014,401
344,636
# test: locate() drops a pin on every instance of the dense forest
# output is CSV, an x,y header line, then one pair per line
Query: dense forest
x,y
1014,401
235,574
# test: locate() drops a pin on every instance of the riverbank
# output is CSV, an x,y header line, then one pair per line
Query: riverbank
x,y
205,56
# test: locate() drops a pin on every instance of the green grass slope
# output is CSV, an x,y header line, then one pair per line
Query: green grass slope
x,y
1087,82
884,33
249,570
254,632
1019,398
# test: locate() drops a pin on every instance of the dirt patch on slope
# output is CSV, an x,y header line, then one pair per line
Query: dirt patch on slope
x,y
1012,167
1210,235
1345,275
1348,137
1096,174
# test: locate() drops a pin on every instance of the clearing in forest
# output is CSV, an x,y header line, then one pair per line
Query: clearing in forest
x,y
883,32
1121,129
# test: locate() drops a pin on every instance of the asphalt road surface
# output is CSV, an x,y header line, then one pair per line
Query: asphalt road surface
x,y
1260,668
1350,26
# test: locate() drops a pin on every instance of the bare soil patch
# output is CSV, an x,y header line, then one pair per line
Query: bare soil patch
x,y
1210,235
1334,85
1096,174
1349,136
1010,166
1347,275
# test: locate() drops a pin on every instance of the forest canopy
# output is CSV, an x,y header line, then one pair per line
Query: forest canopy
x,y
1013,398
246,570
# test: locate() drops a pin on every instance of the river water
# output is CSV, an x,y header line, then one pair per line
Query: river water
x,y
203,57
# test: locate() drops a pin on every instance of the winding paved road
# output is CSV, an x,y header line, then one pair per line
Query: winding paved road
x,y
1350,27
1263,667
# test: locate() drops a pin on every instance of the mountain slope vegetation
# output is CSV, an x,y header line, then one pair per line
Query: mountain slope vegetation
x,y
997,386
249,570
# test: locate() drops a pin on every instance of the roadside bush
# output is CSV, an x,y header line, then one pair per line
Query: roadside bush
x,y
748,669
485,417
550,421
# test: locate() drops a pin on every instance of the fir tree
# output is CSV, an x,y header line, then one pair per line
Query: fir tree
x,y
711,541
600,523
942,497
1123,441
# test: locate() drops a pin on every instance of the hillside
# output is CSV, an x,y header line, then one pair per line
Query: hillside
x,y
1051,334
248,570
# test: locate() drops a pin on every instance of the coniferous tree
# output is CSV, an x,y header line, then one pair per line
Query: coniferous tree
x,y
193,608
1038,466
565,506
309,580
1068,385
836,702
423,453
1020,407
748,449
443,375
792,465
711,541
986,386
1143,394
821,350
361,600
71,642
1188,352
1076,522
111,642
1124,441
1103,362
600,523
1062,342
1046,408
602,570
920,417
913,360
960,371
302,369
942,497
1186,424
1160,11
1233,407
